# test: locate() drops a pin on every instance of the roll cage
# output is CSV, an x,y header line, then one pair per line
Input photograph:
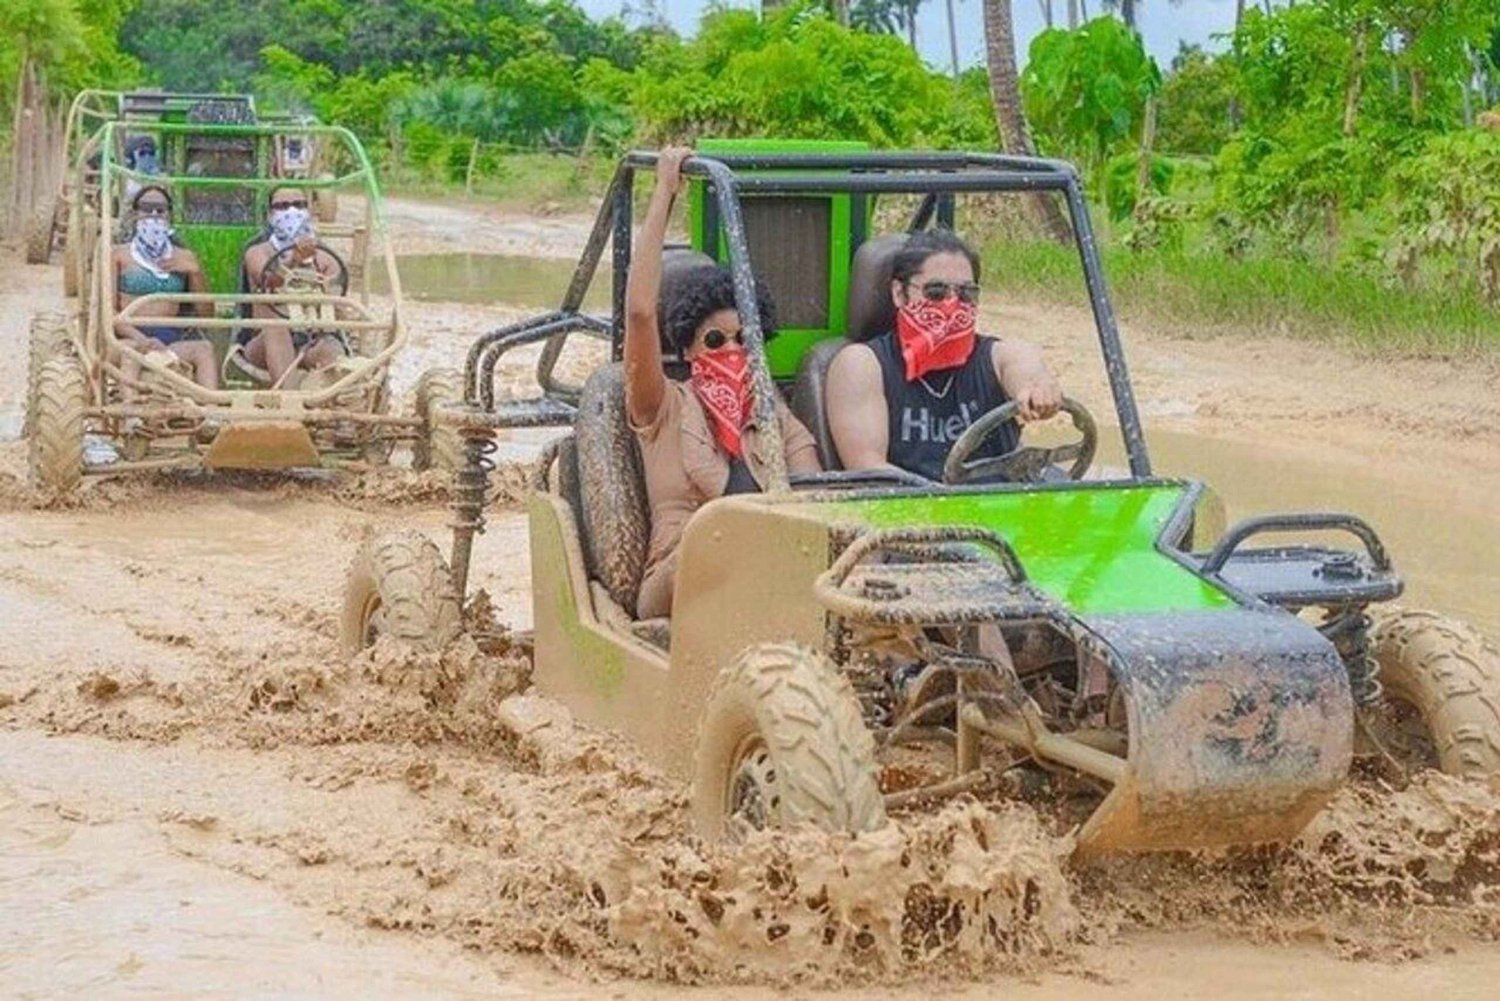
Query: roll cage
x,y
938,177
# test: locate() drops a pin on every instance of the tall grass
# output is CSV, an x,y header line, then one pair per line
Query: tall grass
x,y
1191,294
528,182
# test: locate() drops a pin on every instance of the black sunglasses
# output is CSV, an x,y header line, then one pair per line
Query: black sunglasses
x,y
300,203
714,338
936,291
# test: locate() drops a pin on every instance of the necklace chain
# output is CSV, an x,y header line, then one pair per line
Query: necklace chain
x,y
935,393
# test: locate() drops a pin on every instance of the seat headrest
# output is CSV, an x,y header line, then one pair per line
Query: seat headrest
x,y
871,311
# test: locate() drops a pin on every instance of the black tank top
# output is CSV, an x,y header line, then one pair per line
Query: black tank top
x,y
928,415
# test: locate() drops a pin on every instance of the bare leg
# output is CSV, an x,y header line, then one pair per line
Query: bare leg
x,y
323,353
200,355
272,350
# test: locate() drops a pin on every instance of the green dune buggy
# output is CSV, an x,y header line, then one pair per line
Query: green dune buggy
x,y
834,648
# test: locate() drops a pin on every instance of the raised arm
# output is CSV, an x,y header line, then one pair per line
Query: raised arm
x,y
645,383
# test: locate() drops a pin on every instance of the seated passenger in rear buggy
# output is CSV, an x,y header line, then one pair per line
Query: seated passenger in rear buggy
x,y
152,262
291,245
698,439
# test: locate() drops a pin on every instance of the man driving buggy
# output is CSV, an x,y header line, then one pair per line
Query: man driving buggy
x,y
904,396
290,253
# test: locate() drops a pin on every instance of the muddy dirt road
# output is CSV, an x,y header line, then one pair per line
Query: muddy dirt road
x,y
200,798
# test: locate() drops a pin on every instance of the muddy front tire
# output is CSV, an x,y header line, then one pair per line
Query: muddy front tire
x,y
58,404
400,587
440,446
1441,685
783,742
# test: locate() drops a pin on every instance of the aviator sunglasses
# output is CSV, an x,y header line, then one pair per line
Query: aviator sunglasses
x,y
298,203
938,291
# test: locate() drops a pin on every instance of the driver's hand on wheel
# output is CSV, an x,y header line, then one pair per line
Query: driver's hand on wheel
x,y
306,247
1039,400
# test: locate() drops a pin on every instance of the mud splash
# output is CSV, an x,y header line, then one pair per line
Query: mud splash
x,y
451,806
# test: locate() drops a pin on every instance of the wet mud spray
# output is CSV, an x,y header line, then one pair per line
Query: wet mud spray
x,y
447,799
168,660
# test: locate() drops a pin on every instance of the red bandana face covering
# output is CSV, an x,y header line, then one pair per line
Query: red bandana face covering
x,y
934,335
721,379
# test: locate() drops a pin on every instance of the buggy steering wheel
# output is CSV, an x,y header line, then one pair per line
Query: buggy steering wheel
x,y
302,278
1024,463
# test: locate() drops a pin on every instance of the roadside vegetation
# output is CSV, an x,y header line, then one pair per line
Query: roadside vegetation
x,y
1329,168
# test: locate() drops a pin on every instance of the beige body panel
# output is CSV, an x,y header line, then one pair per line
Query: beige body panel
x,y
747,578
262,445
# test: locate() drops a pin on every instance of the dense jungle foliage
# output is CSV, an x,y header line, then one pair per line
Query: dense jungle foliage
x,y
1351,136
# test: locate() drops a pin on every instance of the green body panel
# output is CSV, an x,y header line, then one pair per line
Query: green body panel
x,y
784,354
219,249
1093,549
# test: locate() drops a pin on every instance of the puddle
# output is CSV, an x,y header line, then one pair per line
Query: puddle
x,y
108,909
1440,527
491,278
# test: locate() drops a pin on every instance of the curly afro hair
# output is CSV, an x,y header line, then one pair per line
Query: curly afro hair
x,y
697,293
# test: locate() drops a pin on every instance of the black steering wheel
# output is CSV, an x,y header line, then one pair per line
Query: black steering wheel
x,y
281,264
1024,463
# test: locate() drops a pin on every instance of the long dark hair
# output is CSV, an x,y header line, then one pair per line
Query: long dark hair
x,y
928,243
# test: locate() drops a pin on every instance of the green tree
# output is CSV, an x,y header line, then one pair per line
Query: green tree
x,y
1085,91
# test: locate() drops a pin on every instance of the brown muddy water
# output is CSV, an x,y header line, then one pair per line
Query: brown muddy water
x,y
1440,528
515,280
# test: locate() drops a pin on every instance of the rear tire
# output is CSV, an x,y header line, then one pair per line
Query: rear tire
x,y
39,239
59,399
1443,677
783,742
50,338
440,446
399,586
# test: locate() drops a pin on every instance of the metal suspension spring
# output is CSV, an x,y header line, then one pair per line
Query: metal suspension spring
x,y
470,485
1348,629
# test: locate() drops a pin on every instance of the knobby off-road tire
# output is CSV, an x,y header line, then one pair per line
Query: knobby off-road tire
x,y
59,399
39,239
783,725
440,446
50,338
1450,676
399,586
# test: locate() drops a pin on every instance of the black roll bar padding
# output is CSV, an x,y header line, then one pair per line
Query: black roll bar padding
x,y
1220,554
558,325
894,539
1109,333
888,475
482,343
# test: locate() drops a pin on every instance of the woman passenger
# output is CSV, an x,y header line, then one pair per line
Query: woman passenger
x,y
698,439
150,263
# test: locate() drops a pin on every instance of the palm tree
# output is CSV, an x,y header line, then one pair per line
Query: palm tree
x,y
1005,91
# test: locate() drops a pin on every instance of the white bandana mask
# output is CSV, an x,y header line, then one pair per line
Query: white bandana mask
x,y
152,243
287,225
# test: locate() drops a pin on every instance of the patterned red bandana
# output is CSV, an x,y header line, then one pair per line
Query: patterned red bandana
x,y
934,335
721,379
